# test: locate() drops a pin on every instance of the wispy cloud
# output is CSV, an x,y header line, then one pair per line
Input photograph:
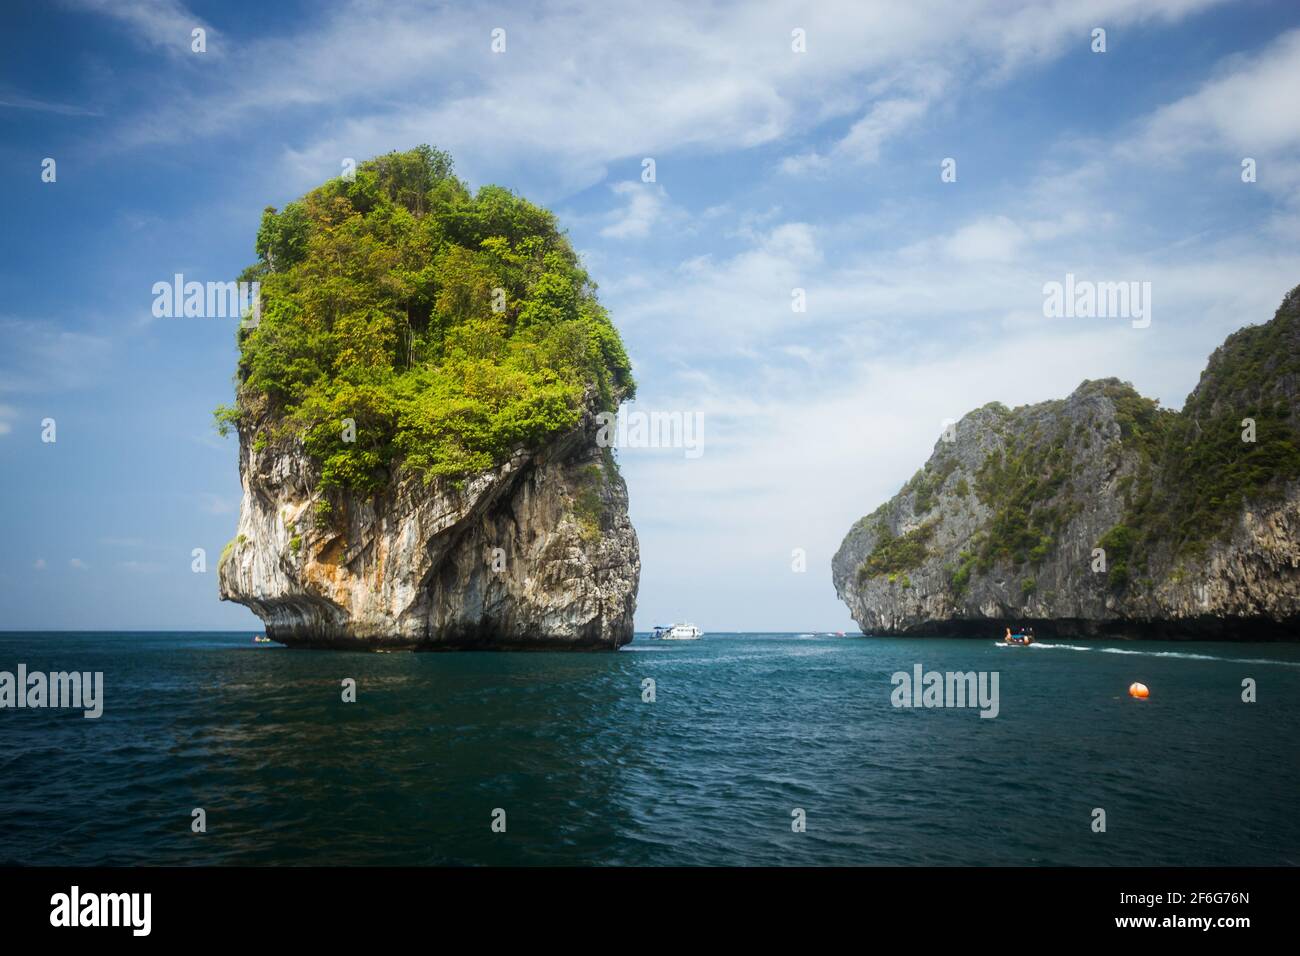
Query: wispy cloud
x,y
165,25
1248,106
578,90
18,101
645,206
41,356
865,138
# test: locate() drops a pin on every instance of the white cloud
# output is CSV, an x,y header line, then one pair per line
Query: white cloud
x,y
884,120
1250,107
1001,238
645,205
863,142
995,237
578,89
163,24
745,296
1247,110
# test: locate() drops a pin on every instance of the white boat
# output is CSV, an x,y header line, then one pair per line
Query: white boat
x,y
679,632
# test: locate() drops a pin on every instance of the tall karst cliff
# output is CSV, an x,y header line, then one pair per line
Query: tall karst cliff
x,y
416,411
1102,512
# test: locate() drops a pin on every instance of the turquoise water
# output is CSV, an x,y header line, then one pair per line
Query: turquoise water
x,y
745,728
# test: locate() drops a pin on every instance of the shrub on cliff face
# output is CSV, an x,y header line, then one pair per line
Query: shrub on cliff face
x,y
1118,543
892,555
1019,484
450,327
928,482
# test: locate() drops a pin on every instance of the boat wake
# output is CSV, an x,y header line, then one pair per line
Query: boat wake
x,y
1179,654
1039,645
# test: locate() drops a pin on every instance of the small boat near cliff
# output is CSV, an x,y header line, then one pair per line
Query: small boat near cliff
x,y
679,632
1020,638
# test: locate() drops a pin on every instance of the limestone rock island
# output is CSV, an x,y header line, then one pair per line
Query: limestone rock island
x,y
1102,512
416,409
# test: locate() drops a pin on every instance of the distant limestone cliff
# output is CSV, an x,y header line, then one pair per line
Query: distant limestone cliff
x,y
417,418
1102,512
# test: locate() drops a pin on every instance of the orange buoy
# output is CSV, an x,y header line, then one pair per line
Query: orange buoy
x,y
1138,690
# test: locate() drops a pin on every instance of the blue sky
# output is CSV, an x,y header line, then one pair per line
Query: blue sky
x,y
775,170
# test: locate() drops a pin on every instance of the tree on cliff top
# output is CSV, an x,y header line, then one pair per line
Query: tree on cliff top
x,y
450,327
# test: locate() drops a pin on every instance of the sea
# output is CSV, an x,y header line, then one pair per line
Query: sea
x,y
738,749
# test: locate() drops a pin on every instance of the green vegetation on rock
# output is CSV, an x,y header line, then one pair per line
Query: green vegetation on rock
x,y
927,483
1198,470
1161,492
447,327
894,554
1207,470
589,507
1118,544
960,579
1019,484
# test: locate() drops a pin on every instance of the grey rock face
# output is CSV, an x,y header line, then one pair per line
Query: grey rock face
x,y
1001,524
537,553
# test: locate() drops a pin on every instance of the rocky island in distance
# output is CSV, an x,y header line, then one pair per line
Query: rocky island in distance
x,y
416,411
1102,513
